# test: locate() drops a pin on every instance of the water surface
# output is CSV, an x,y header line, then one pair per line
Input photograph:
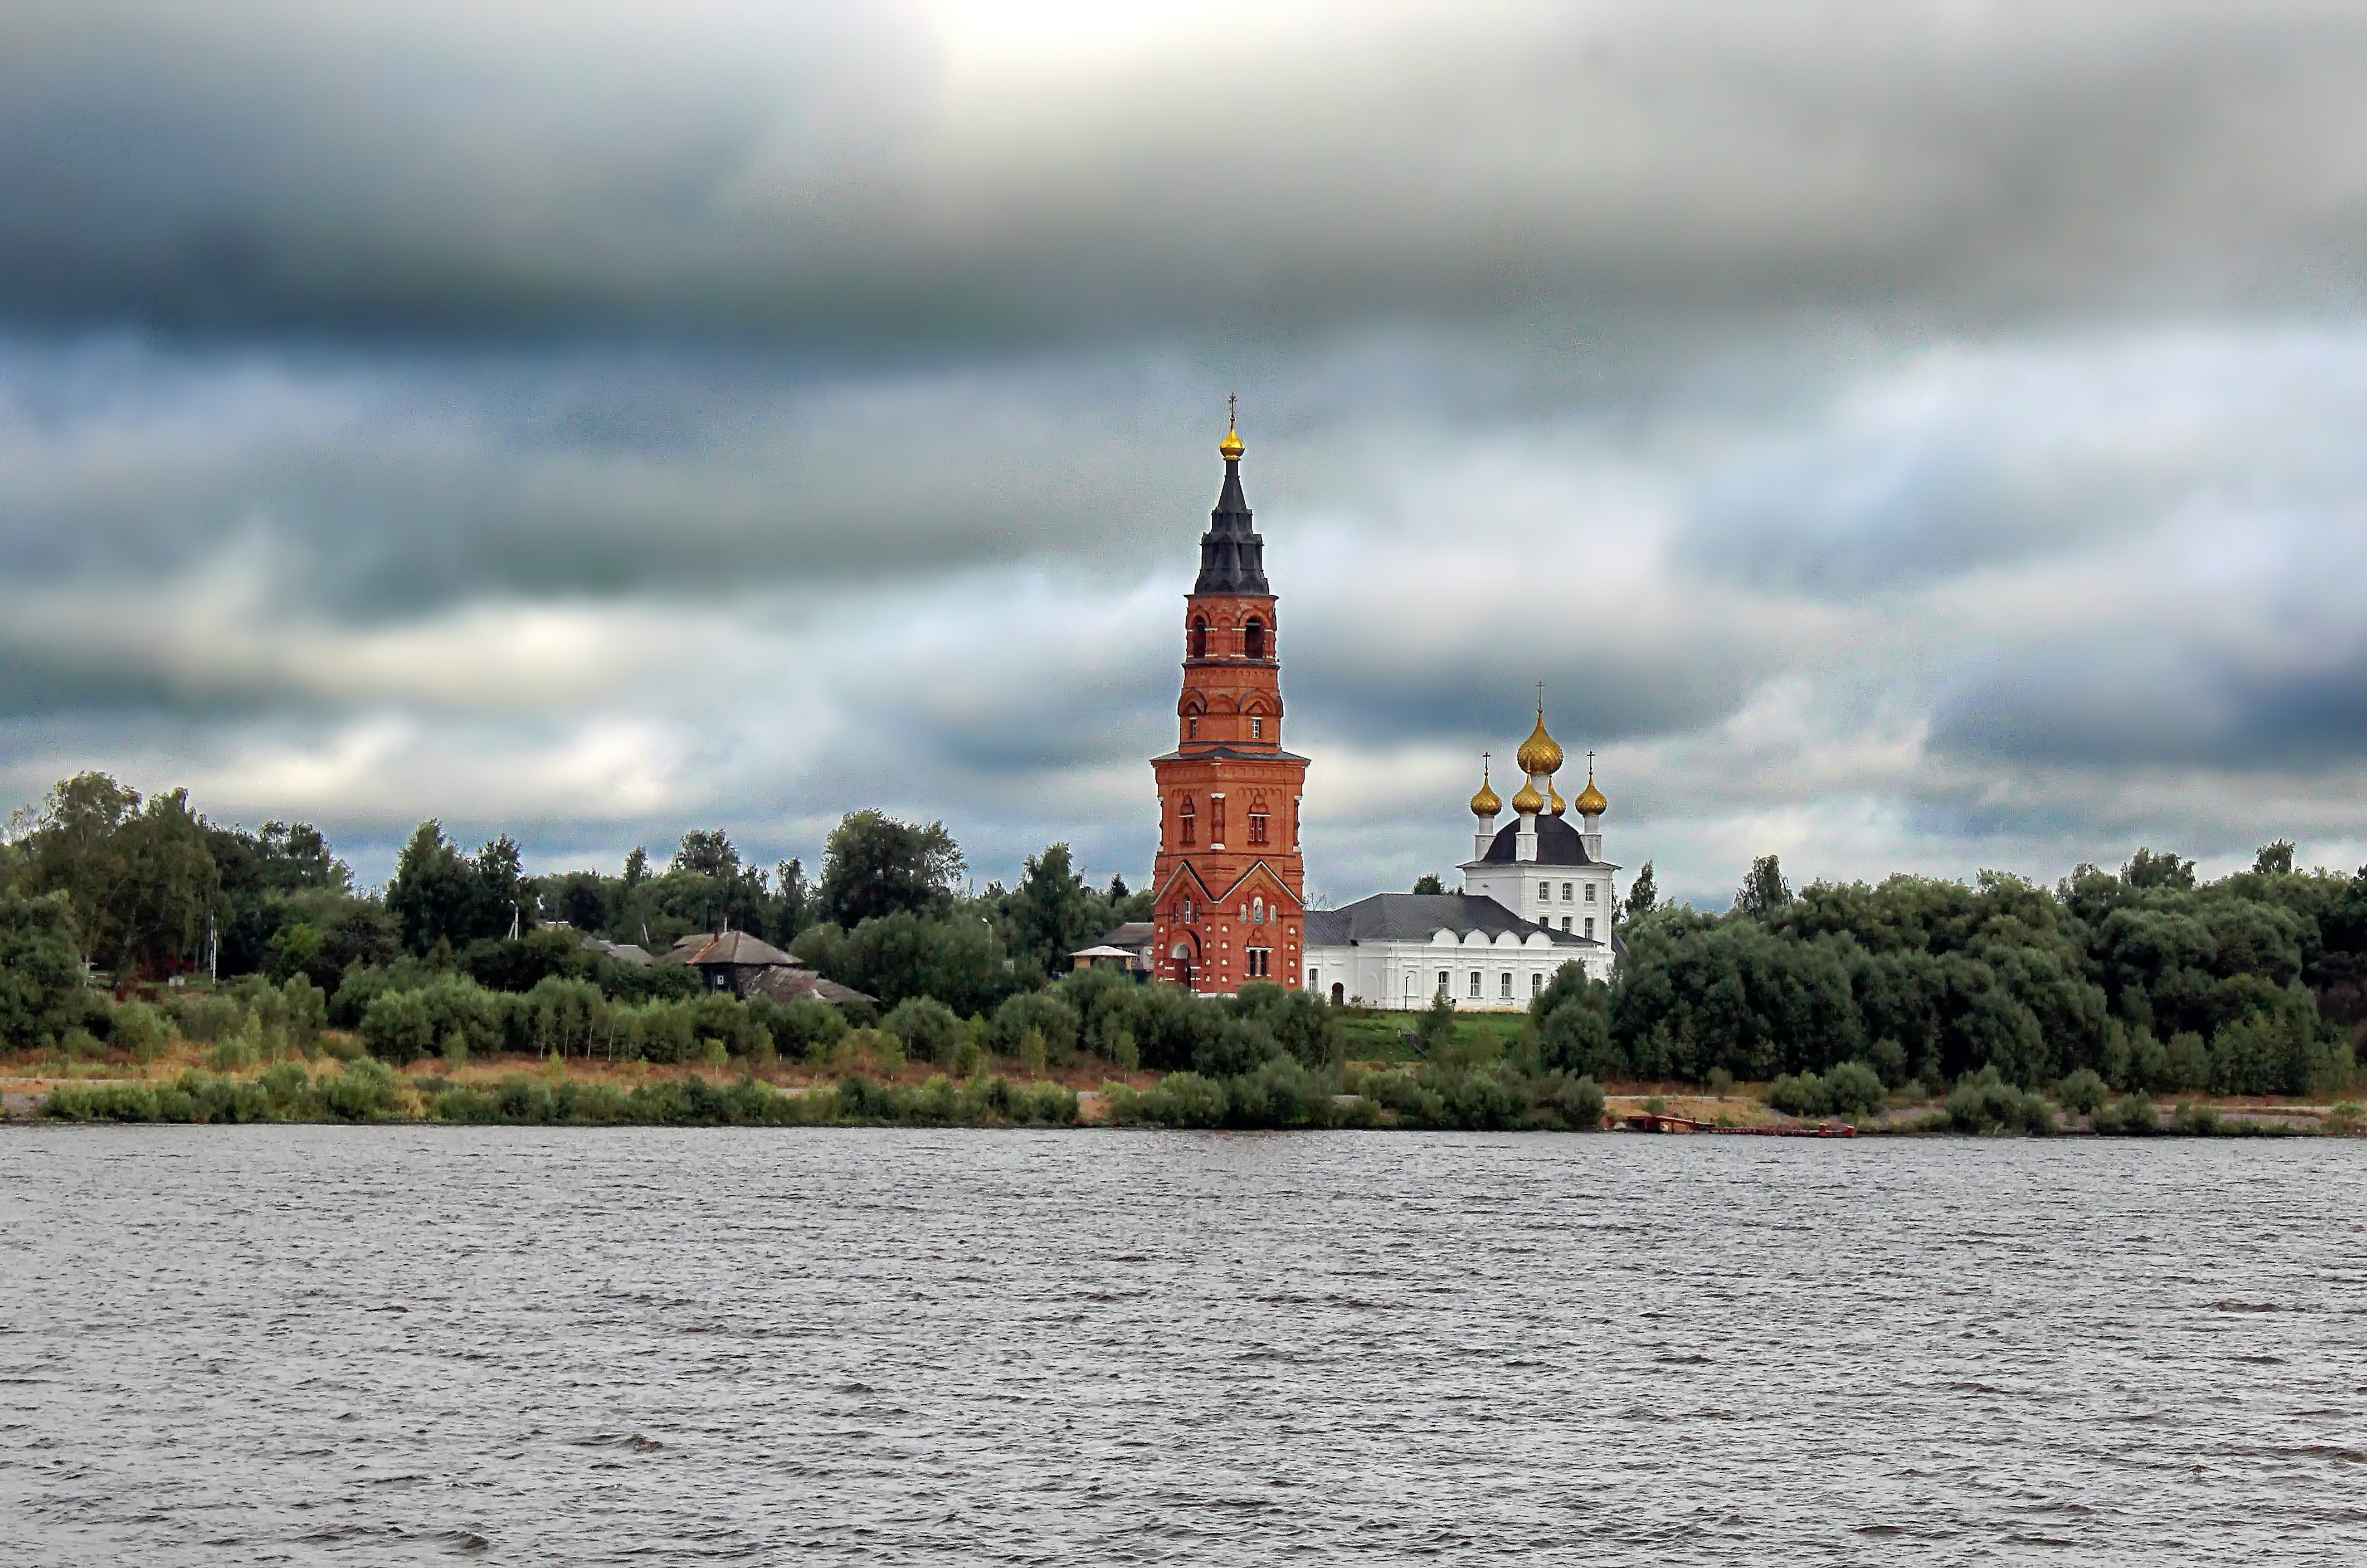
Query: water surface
x,y
316,1345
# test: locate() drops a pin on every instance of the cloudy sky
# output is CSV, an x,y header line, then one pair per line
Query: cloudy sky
x,y
1902,436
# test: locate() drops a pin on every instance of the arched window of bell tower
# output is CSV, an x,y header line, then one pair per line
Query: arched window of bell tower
x,y
1200,637
1253,639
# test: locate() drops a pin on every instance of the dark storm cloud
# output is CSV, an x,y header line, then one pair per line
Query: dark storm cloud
x,y
826,175
2133,702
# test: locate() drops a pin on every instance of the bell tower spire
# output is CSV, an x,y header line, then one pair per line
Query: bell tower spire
x,y
1229,881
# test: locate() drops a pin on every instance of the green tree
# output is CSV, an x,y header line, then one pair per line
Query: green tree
x,y
1764,891
1428,883
2274,859
140,882
708,851
42,992
433,891
2147,870
1643,897
794,906
874,866
76,848
1050,913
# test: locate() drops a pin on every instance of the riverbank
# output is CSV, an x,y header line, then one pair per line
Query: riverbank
x,y
338,1086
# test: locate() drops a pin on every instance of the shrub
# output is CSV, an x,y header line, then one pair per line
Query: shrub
x,y
366,1090
1280,1092
1303,1026
207,1017
665,1032
925,1029
2196,1120
803,1029
1579,1104
2083,1091
1180,1099
235,1052
1854,1088
1720,1081
1052,1019
143,1030
1231,1047
1985,1103
1800,1094
2130,1115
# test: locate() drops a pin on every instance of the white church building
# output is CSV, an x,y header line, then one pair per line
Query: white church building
x,y
1536,895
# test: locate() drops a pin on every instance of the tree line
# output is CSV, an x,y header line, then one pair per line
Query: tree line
x,y
2145,977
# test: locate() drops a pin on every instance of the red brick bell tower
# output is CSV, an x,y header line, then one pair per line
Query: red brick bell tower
x,y
1232,887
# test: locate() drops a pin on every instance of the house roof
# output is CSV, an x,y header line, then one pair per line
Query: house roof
x,y
1133,934
791,984
734,947
1414,916
1103,952
623,952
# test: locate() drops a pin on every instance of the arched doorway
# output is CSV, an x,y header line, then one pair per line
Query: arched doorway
x,y
1182,957
1337,993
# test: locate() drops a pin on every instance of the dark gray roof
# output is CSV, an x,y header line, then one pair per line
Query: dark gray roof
x,y
1412,916
623,952
1557,843
735,947
1232,556
1133,934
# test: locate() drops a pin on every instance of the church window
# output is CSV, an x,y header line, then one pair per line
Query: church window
x,y
1217,820
1200,637
1186,820
1261,962
1504,987
1258,819
1442,983
1536,984
1590,892
1545,892
1257,912
1257,729
1192,728
1589,924
1474,985
1565,893
1565,922
1253,640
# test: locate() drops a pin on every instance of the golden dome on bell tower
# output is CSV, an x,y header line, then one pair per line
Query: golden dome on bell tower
x,y
1231,448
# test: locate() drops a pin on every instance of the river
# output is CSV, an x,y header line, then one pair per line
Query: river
x,y
367,1345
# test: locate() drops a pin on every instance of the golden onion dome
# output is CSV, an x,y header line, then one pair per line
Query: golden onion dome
x,y
1528,800
1554,802
1591,803
1231,448
1485,803
1540,752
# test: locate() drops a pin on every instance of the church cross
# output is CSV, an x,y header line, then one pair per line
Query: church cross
x,y
1230,411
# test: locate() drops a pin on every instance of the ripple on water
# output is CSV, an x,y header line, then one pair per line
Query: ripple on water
x,y
226,1345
